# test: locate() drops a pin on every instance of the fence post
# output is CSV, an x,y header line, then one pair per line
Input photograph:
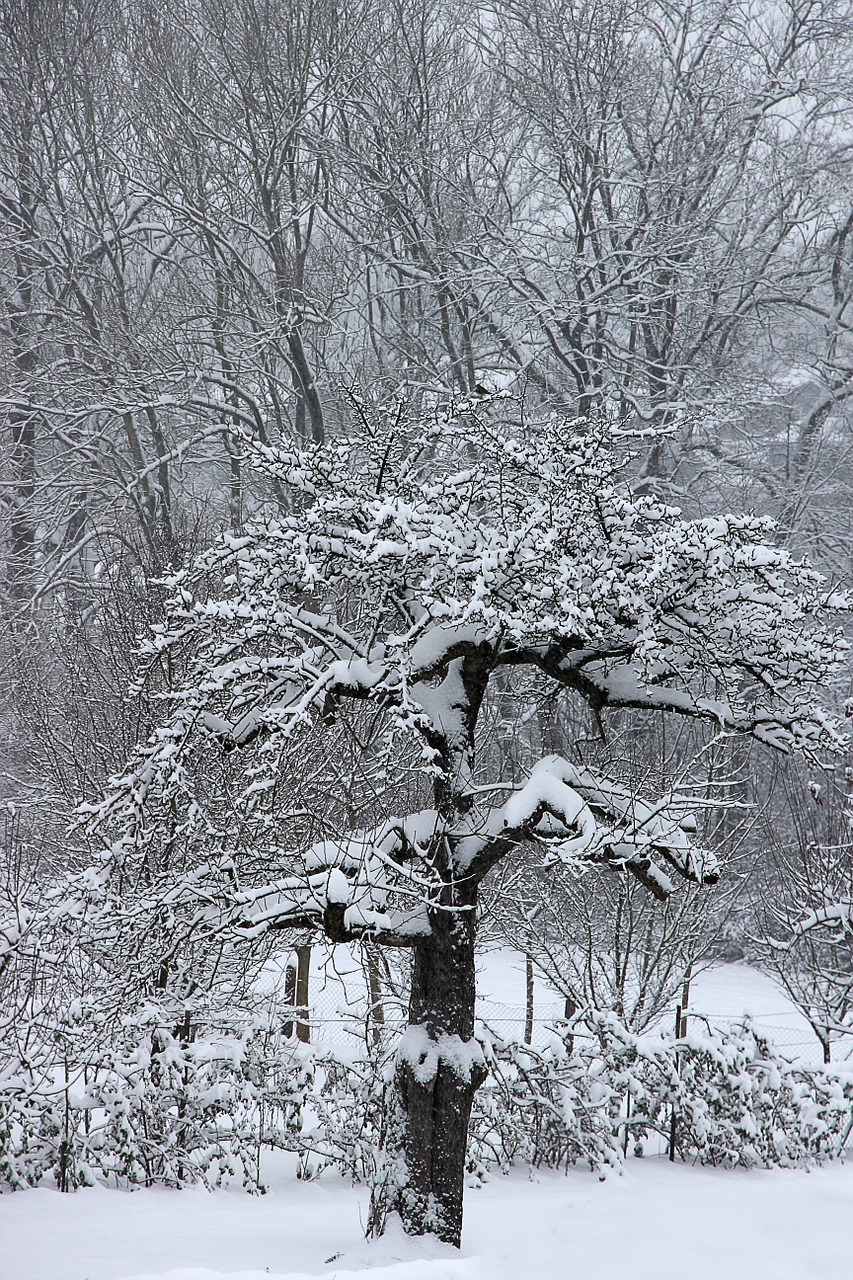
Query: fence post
x,y
685,1001
672,1116
289,996
376,1011
569,1011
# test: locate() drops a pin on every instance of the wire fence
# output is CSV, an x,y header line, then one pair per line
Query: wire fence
x,y
340,1013
798,1044
340,1018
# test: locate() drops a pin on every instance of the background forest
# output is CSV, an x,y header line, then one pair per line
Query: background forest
x,y
230,226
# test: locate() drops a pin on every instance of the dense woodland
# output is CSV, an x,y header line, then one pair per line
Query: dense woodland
x,y
375,376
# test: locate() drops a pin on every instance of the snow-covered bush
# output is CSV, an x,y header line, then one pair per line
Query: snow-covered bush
x,y
152,1107
143,1104
588,1100
739,1102
542,1107
344,1117
158,1109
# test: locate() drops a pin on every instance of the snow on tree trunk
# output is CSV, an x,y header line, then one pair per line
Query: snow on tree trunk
x,y
439,1069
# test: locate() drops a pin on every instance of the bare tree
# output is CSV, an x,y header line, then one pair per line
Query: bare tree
x,y
677,155
804,912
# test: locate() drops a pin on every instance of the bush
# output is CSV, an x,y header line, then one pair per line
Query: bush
x,y
152,1107
155,1107
735,1100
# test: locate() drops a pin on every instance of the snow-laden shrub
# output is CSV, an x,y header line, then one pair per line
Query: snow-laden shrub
x,y
30,1130
547,1107
343,1121
152,1106
739,1102
734,1099
147,1105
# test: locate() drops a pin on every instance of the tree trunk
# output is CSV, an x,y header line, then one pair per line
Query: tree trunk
x,y
289,997
22,526
439,1069
528,1009
296,995
303,966
376,1011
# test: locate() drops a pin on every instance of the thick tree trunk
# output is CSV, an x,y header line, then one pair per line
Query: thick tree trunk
x,y
439,1069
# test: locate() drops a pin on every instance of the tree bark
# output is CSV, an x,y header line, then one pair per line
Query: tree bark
x,y
376,1011
528,1009
303,965
439,1069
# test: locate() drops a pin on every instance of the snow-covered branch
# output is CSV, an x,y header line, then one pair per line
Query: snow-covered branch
x,y
418,563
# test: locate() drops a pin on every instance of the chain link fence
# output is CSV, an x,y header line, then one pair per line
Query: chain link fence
x,y
340,1013
343,1016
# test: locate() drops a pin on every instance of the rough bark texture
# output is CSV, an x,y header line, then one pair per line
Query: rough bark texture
x,y
303,965
436,1100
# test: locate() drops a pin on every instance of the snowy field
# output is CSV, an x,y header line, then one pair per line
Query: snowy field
x,y
654,1222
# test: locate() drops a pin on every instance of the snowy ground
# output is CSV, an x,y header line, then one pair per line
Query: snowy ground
x,y
655,1222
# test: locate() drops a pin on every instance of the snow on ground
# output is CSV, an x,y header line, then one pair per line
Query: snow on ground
x,y
732,990
655,1222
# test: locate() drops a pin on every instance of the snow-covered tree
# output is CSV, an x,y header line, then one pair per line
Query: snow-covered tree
x,y
804,925
342,657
